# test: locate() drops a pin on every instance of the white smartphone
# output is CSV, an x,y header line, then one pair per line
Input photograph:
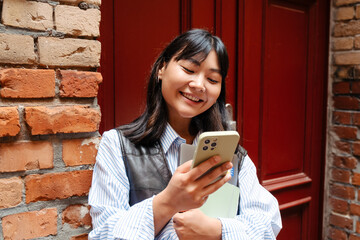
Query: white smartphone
x,y
222,143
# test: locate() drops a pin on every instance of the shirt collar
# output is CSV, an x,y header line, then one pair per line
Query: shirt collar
x,y
196,139
168,137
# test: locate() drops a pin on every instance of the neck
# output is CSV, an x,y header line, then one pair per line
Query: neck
x,y
182,128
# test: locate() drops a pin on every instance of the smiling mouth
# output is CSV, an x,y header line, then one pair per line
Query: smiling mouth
x,y
191,97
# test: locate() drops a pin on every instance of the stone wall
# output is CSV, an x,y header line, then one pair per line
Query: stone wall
x,y
49,116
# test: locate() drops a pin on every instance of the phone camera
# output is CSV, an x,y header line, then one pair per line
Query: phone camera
x,y
207,141
205,148
213,144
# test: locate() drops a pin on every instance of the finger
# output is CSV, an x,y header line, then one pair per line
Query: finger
x,y
216,185
214,174
205,166
185,167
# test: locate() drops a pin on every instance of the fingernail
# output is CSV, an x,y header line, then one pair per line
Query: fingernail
x,y
228,176
229,165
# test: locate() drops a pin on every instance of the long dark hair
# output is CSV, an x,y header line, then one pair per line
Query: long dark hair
x,y
148,128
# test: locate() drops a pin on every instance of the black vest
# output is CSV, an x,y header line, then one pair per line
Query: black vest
x,y
148,172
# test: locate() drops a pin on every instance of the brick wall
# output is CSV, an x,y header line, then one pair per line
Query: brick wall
x,y
49,116
342,182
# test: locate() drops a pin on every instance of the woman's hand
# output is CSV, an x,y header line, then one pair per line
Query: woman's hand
x,y
194,224
188,189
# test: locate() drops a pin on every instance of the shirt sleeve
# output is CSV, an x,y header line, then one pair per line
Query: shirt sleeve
x,y
259,216
112,216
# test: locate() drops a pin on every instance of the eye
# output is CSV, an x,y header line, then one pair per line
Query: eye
x,y
187,70
213,80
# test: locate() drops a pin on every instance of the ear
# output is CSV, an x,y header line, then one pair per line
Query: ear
x,y
161,71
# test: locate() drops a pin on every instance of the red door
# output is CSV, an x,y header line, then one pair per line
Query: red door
x,y
282,105
276,83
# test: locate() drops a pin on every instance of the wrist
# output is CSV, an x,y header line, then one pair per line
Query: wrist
x,y
164,204
217,227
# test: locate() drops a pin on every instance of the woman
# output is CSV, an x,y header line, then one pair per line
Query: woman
x,y
138,189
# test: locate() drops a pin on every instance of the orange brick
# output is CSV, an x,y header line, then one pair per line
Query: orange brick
x,y
355,209
356,118
356,179
79,84
64,119
10,192
77,216
358,227
22,156
9,121
346,43
342,117
337,234
339,206
345,13
341,88
354,237
341,221
343,146
80,237
355,87
356,148
57,185
80,151
340,175
347,58
349,133
345,162
346,102
342,191
27,83
30,224
343,29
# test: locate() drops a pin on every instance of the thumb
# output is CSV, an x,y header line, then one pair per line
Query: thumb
x,y
177,220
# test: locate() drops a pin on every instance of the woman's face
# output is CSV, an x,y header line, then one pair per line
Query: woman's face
x,y
190,87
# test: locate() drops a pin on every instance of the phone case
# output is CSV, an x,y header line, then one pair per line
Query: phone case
x,y
222,143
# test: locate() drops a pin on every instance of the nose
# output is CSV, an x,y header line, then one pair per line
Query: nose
x,y
198,83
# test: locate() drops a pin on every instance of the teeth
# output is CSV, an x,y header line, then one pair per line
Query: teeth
x,y
195,99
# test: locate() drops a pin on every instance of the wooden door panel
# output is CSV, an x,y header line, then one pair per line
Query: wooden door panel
x,y
282,105
142,29
250,69
284,91
203,14
294,222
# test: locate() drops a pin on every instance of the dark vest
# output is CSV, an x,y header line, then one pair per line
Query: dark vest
x,y
148,171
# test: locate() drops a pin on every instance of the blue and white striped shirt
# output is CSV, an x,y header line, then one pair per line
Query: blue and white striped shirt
x,y
113,218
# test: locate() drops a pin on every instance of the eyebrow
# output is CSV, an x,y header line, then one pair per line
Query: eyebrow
x,y
196,62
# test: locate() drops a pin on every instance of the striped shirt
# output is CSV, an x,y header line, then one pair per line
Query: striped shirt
x,y
113,218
